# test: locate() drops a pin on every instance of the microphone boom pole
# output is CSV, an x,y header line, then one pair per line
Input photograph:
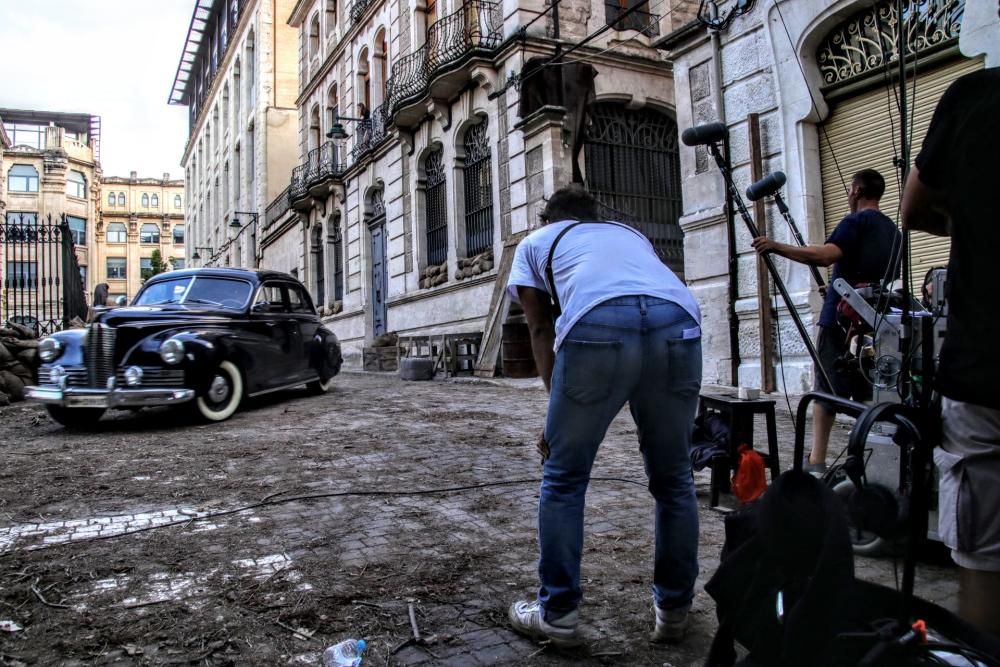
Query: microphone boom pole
x,y
734,193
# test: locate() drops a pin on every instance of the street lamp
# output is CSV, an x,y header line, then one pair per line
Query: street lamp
x,y
196,256
337,131
237,225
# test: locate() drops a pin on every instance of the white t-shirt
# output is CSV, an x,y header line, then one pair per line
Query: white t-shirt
x,y
594,263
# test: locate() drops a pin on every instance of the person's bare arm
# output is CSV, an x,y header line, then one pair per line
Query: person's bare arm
x,y
814,255
538,311
923,208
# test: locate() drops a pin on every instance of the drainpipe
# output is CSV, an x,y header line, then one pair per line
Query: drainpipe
x,y
720,108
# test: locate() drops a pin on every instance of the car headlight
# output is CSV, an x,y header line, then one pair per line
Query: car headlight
x,y
172,351
49,349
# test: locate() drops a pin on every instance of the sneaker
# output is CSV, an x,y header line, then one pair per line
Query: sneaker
x,y
528,618
670,625
814,469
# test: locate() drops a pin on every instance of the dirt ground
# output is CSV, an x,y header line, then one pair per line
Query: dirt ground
x,y
304,520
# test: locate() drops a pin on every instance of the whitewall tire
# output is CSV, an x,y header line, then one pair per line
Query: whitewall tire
x,y
224,394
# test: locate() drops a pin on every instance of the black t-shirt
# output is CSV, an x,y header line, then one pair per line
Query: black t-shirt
x,y
869,241
960,158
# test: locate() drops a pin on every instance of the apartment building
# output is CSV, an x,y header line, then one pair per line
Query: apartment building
x,y
138,217
420,160
237,76
50,169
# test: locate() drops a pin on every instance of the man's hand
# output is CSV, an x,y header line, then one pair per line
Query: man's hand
x,y
542,446
763,245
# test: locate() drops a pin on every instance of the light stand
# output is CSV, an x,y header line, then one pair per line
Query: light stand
x,y
734,194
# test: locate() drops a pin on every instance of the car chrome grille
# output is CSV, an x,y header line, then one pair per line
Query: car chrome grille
x,y
100,354
75,376
154,376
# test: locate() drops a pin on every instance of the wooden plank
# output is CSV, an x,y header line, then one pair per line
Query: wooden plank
x,y
766,316
486,364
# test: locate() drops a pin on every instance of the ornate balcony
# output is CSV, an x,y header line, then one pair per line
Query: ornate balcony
x,y
357,10
475,29
316,175
371,132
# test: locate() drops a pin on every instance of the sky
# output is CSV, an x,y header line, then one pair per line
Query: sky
x,y
111,58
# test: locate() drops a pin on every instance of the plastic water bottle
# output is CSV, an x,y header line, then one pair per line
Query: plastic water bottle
x,y
345,654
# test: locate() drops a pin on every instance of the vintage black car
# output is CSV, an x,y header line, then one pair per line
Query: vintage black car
x,y
207,337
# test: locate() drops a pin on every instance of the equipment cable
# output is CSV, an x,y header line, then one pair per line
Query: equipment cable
x,y
273,500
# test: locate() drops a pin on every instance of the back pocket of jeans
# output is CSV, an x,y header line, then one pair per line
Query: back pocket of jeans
x,y
589,369
684,365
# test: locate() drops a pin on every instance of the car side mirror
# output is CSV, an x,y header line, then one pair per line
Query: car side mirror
x,y
261,307
121,301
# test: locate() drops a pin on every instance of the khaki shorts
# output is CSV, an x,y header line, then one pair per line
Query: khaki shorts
x,y
968,461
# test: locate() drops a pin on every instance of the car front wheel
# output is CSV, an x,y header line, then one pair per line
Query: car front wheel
x,y
318,387
224,393
75,418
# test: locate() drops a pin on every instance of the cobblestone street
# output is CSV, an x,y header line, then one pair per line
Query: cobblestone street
x,y
304,520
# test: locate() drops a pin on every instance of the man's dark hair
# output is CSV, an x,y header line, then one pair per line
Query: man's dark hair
x,y
571,202
871,185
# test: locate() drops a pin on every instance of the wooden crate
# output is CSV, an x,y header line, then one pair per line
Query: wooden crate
x,y
380,359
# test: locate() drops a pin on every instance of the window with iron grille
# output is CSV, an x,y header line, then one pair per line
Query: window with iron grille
x,y
478,191
436,209
633,169
22,275
338,261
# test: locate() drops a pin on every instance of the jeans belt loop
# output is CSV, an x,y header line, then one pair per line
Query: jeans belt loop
x,y
642,304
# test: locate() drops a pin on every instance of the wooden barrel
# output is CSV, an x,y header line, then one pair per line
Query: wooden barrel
x,y
516,358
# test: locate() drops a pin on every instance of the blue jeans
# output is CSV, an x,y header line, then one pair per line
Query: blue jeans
x,y
646,351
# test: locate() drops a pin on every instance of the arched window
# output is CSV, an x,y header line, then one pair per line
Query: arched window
x,y
116,233
633,168
319,265
336,258
149,233
111,199
314,36
251,70
155,201
332,105
430,15
382,62
121,198
331,18
364,94
225,108
145,200
436,209
315,129
177,201
237,93
178,232
22,178
76,184
478,178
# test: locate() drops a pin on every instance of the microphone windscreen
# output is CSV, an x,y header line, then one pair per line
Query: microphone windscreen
x,y
708,133
766,186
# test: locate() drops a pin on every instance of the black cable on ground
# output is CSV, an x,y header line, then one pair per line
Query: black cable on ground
x,y
316,496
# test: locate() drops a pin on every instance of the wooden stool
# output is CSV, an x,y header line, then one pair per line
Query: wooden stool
x,y
739,417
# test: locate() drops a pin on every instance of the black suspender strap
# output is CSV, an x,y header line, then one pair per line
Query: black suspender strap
x,y
556,307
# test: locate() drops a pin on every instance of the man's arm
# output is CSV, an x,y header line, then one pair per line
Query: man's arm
x,y
538,311
814,255
923,208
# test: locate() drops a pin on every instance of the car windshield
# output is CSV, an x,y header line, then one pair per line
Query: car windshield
x,y
219,292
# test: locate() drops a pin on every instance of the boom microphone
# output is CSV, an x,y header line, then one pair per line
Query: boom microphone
x,y
766,186
709,133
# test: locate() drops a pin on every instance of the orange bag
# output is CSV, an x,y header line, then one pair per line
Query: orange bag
x,y
749,482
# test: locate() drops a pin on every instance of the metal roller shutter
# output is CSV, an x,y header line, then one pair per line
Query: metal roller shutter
x,y
863,131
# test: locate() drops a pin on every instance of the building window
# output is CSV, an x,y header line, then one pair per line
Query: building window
x,y
314,36
83,276
478,191
32,136
76,184
149,233
237,173
338,261
331,18
145,200
77,229
237,94
251,73
145,268
121,198
178,234
22,178
116,233
155,201
111,199
436,209
177,201
641,19
116,268
178,264
22,275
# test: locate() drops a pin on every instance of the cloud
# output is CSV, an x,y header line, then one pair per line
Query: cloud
x,y
112,58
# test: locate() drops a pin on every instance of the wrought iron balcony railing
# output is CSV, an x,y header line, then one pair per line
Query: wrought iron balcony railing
x,y
321,164
312,166
476,26
276,209
299,187
358,8
329,164
371,131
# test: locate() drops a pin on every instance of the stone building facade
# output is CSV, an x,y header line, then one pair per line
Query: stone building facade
x,y
51,167
237,76
137,216
402,225
820,75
